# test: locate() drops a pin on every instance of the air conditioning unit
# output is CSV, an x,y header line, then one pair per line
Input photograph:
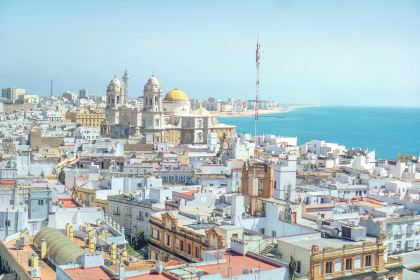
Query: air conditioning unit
x,y
354,233
329,231
254,270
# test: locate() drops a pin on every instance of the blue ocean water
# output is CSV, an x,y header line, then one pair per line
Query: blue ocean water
x,y
388,131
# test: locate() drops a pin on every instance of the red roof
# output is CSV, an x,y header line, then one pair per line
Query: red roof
x,y
80,273
148,276
189,192
235,264
67,202
172,262
8,182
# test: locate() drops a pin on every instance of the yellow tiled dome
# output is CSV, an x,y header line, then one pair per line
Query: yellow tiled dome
x,y
176,95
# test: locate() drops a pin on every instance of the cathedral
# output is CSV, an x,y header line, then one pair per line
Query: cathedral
x,y
122,119
162,119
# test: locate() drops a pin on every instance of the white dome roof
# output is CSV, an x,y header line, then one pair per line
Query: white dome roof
x,y
153,81
115,82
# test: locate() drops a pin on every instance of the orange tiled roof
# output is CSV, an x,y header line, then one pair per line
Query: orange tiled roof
x,y
172,262
67,203
149,276
90,273
189,192
8,182
235,264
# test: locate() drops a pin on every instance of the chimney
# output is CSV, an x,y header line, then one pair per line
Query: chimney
x,y
43,249
34,260
237,210
113,252
121,270
71,233
68,230
91,244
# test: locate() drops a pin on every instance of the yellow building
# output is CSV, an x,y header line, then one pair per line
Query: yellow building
x,y
320,258
171,240
93,118
87,198
362,261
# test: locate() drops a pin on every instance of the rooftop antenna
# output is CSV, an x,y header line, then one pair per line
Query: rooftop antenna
x,y
51,88
257,92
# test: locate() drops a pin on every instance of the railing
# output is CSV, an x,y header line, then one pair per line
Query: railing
x,y
393,262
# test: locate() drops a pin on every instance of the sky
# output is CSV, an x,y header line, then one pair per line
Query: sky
x,y
348,52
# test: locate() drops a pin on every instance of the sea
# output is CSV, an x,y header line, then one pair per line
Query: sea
x,y
388,131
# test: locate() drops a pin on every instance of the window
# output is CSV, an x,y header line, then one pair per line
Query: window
x,y
273,233
349,263
328,267
168,240
7,223
40,202
156,234
262,231
189,249
197,252
298,267
260,186
368,261
181,245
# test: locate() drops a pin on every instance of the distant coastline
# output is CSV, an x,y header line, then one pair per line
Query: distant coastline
x,y
250,113
281,109
391,131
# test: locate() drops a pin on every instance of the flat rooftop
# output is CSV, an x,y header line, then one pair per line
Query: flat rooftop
x,y
22,256
234,264
306,241
89,273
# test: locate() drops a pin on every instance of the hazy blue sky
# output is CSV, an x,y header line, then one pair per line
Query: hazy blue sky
x,y
323,52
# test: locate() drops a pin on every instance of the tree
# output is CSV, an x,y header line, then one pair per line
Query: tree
x,y
138,241
292,267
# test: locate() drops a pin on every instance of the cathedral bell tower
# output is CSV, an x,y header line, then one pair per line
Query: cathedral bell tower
x,y
152,98
115,96
153,124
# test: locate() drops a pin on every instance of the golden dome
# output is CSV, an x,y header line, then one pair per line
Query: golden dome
x,y
176,95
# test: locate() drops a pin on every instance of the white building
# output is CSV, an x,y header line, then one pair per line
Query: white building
x,y
285,177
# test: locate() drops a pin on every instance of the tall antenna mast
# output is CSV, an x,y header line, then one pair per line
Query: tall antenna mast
x,y
125,80
51,88
257,92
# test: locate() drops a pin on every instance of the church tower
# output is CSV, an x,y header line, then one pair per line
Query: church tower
x,y
153,124
152,98
115,96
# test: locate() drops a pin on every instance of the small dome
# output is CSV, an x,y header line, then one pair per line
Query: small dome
x,y
153,81
115,82
176,95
